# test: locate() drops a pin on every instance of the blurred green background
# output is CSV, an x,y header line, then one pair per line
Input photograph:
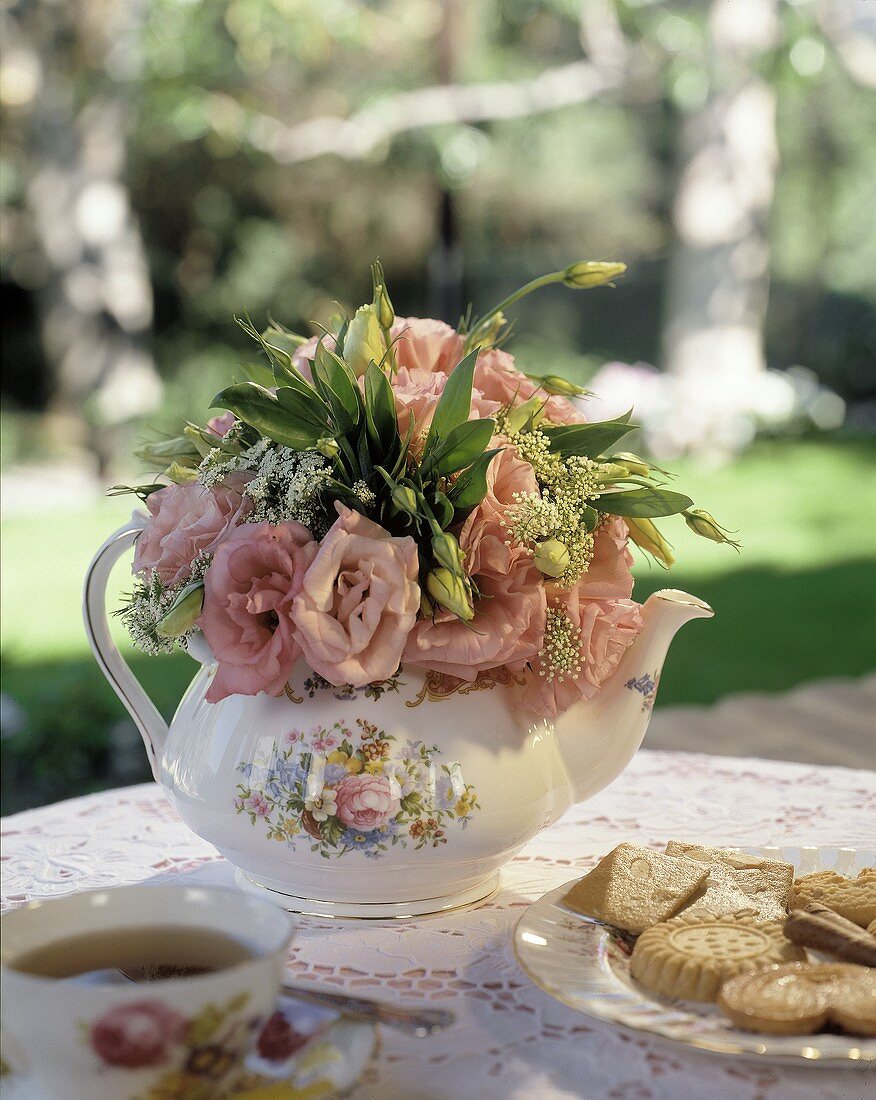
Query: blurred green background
x,y
166,164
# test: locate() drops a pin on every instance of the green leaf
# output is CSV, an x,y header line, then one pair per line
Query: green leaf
x,y
463,445
380,410
260,373
454,406
644,503
308,410
342,390
256,406
588,440
470,487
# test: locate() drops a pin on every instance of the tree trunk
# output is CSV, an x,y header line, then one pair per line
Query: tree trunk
x,y
96,303
719,270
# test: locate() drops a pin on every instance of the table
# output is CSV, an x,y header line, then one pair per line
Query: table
x,y
511,1040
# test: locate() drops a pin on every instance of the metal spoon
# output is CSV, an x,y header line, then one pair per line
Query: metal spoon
x,y
413,1021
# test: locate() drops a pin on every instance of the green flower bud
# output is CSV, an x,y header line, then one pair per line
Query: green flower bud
x,y
405,499
633,464
589,273
181,472
558,387
701,523
447,551
364,341
487,332
525,416
451,591
327,446
164,451
382,302
646,536
551,557
611,471
184,612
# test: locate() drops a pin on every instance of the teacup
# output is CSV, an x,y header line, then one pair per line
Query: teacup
x,y
108,1038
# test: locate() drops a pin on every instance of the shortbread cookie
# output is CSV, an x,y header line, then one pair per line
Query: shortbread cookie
x,y
871,927
800,998
634,888
691,955
852,898
739,883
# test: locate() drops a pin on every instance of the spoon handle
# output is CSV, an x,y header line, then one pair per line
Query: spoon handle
x,y
415,1021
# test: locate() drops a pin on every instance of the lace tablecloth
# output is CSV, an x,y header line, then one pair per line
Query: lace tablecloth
x,y
511,1040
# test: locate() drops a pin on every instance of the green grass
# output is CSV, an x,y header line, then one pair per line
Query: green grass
x,y
798,603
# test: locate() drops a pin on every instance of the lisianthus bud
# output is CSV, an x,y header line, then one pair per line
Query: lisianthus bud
x,y
633,464
364,341
382,302
558,387
327,446
611,471
405,499
526,415
447,551
551,557
449,590
645,535
181,472
184,612
589,273
487,332
701,523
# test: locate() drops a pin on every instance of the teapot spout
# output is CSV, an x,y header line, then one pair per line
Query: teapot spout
x,y
600,737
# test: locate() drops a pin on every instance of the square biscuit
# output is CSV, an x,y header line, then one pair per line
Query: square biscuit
x,y
634,888
738,882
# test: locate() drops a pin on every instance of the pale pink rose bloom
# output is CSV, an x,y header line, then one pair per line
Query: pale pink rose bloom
x,y
607,628
417,393
498,379
187,520
247,618
220,425
424,344
366,801
510,615
359,601
609,575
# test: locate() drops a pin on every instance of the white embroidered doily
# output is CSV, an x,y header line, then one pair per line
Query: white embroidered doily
x,y
511,1040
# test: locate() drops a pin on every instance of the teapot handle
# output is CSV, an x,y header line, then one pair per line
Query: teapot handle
x,y
153,729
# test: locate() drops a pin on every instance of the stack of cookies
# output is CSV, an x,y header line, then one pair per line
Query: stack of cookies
x,y
714,925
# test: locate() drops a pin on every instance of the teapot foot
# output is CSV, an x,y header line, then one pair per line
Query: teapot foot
x,y
469,898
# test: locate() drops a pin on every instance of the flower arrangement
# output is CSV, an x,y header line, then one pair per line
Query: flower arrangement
x,y
396,492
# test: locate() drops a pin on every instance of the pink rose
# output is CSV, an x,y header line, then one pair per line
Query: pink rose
x,y
609,575
606,628
186,520
508,627
499,380
417,393
137,1035
247,618
427,345
359,601
221,425
366,801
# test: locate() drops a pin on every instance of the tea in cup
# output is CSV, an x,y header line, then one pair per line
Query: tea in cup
x,y
138,991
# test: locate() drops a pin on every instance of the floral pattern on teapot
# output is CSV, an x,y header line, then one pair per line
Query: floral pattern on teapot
x,y
353,788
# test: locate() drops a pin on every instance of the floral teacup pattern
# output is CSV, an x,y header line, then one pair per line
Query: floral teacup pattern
x,y
354,788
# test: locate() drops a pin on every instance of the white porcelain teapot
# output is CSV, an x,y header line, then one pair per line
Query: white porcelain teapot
x,y
400,799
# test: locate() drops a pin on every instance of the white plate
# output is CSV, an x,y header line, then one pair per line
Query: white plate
x,y
578,963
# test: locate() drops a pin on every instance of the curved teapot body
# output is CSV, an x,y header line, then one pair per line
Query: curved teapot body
x,y
404,794
399,799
